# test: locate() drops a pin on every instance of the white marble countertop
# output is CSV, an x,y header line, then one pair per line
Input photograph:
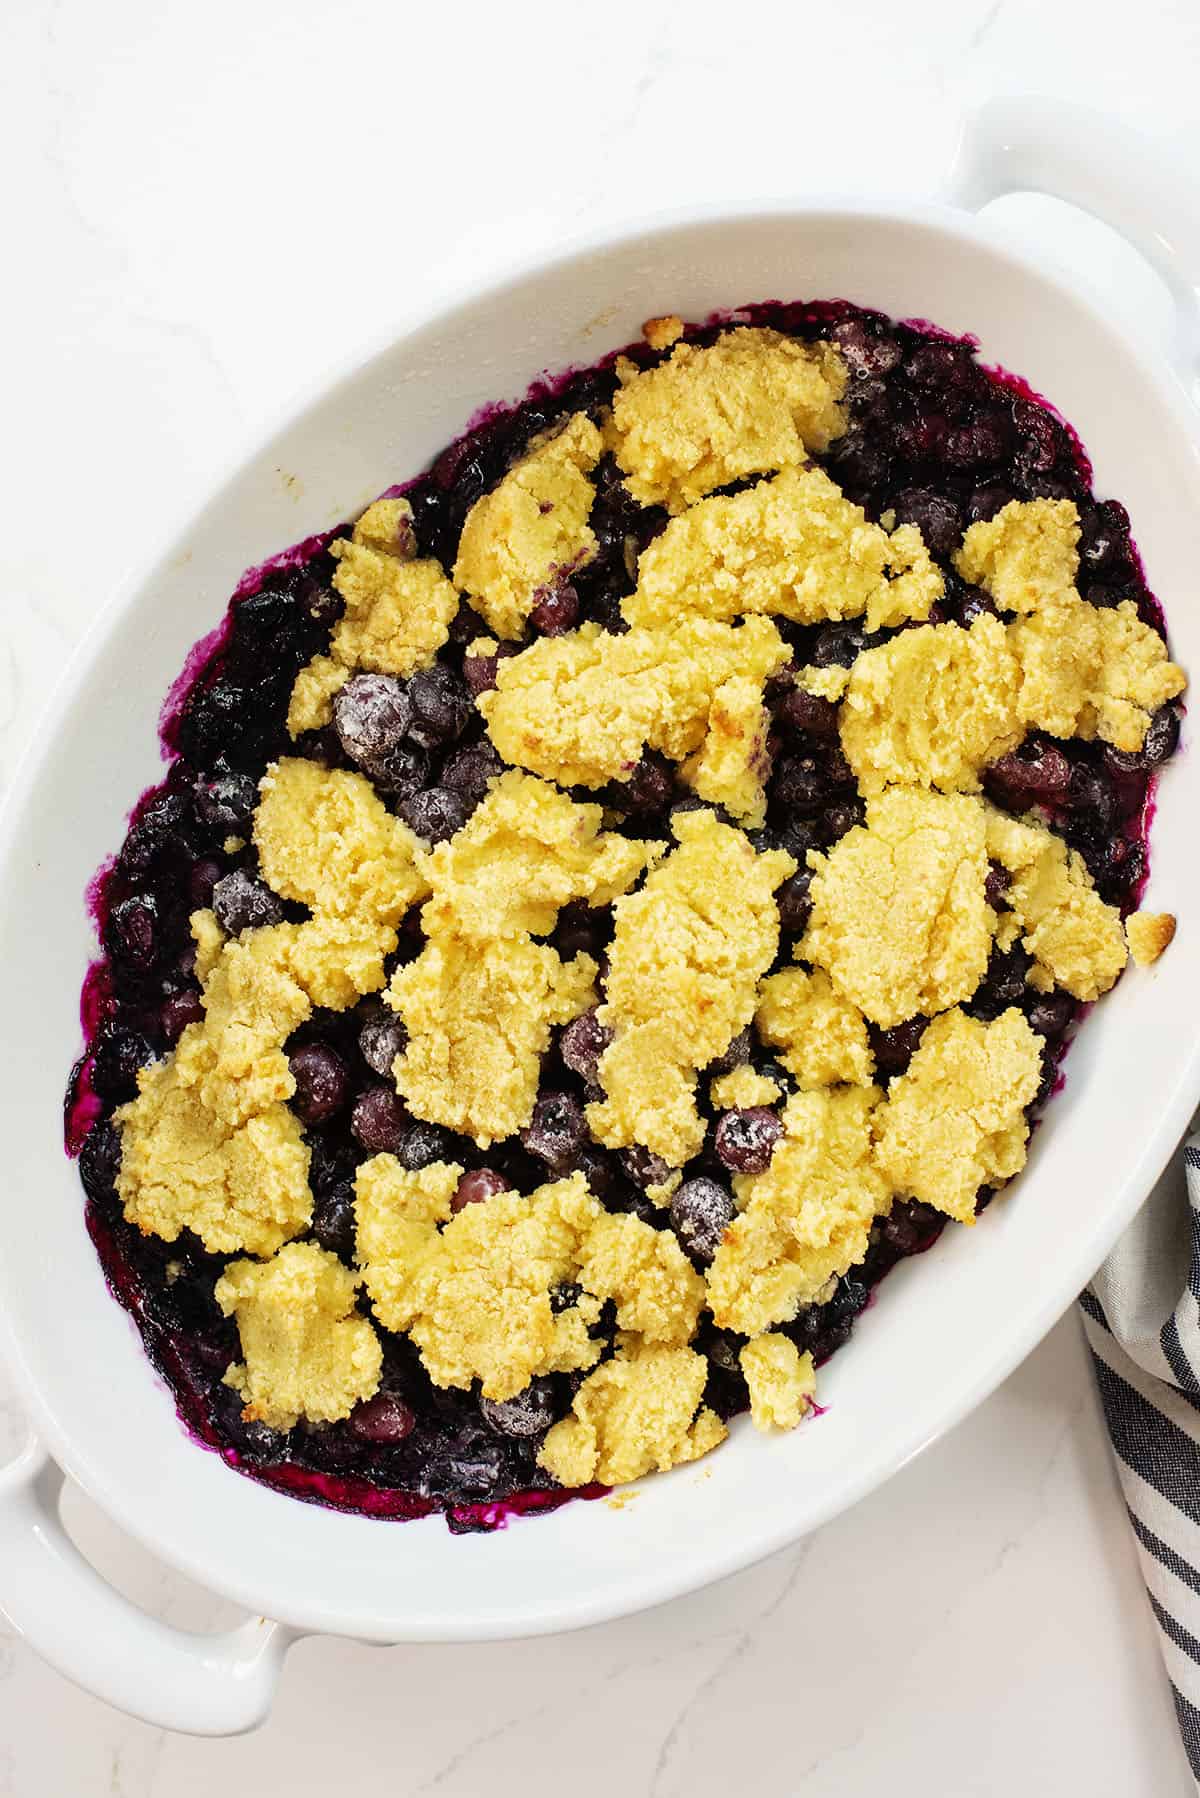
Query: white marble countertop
x,y
207,207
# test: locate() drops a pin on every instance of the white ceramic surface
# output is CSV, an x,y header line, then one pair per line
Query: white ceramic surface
x,y
105,1418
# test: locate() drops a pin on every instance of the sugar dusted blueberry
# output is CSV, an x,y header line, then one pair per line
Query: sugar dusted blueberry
x,y
379,1120
243,903
132,933
556,611
556,1131
1050,1014
224,802
381,1038
372,714
434,814
441,706
745,1139
701,1212
583,1042
478,1185
471,770
529,1412
644,1167
739,1051
322,1085
420,1144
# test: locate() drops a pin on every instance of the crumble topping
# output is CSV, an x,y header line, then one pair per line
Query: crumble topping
x,y
956,1120
821,1036
687,953
753,402
580,708
532,529
781,1380
1027,556
307,1351
733,764
236,1186
742,1089
526,851
479,1016
806,1219
1148,933
637,1414
475,1295
656,1289
899,918
1092,672
209,939
931,707
661,333
794,546
326,838
317,686
398,609
1075,939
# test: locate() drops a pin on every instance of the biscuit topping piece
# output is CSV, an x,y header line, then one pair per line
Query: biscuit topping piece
x,y
794,546
781,1380
686,958
753,402
637,1414
532,529
821,1036
579,709
956,1120
899,918
1148,933
306,1351
806,1219
1092,672
398,609
1027,556
1074,937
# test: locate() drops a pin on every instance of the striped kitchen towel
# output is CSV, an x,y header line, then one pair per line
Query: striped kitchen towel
x,y
1142,1318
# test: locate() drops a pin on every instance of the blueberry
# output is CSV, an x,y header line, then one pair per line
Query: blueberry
x,y
441,706
333,1220
243,903
224,802
643,1166
986,501
381,1038
372,714
583,1042
598,1168
1003,985
556,1131
995,887
556,611
470,771
807,713
581,930
378,1121
119,1054
1104,546
479,673
802,783
1158,746
321,1082
99,1161
181,1009
434,814
1091,795
528,1413
1050,1014
462,1470
131,934
936,516
794,902
866,348
1032,775
157,829
738,1052
938,364
974,603
563,1297
894,1049
841,816
647,788
202,878
421,1144
701,1212
839,645
1041,440
405,771
384,1419
477,1186
986,440
745,1139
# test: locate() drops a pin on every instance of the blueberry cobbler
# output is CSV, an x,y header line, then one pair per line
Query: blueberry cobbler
x,y
611,903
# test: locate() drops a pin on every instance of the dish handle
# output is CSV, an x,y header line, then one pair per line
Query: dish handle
x,y
1030,144
218,1685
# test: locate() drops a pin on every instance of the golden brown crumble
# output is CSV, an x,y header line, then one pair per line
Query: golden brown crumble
x,y
579,709
821,1036
1026,557
753,402
687,954
661,333
1075,939
637,1414
1091,672
780,1379
805,1220
532,529
742,1088
794,546
325,837
307,1352
956,1120
398,609
1148,933
899,918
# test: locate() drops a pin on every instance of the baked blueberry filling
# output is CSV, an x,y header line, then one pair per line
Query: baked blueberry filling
x,y
927,439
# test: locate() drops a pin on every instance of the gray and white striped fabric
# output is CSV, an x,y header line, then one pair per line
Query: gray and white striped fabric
x,y
1142,1318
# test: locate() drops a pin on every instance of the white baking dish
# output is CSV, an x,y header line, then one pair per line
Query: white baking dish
x,y
948,1326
